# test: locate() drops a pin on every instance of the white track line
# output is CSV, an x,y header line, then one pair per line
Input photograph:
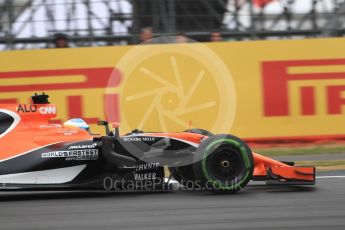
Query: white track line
x,y
323,177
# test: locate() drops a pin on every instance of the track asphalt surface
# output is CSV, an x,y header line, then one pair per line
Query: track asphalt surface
x,y
255,207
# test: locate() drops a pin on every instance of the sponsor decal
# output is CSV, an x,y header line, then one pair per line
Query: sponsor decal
x,y
68,132
47,110
51,126
142,174
83,146
147,166
27,108
279,76
86,154
145,176
138,138
34,108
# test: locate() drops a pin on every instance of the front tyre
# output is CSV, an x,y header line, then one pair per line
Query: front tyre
x,y
223,164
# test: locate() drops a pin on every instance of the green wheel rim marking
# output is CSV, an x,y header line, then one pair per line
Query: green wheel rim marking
x,y
244,155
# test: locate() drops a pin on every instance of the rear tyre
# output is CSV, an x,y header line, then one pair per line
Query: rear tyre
x,y
223,164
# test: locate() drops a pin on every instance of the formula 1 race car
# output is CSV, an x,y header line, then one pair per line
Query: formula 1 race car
x,y
36,154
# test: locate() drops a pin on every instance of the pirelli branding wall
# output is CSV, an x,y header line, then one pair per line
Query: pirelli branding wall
x,y
264,89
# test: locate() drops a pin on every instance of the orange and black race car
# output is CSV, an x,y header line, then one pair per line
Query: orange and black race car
x,y
36,154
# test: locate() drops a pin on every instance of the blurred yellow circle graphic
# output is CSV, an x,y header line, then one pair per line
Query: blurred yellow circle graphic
x,y
173,87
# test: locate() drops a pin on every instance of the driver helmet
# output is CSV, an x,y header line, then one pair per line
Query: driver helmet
x,y
78,123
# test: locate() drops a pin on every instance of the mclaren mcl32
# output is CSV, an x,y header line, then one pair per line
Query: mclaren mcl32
x,y
36,154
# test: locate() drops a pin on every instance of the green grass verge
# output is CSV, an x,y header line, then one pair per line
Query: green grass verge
x,y
305,150
321,163
324,165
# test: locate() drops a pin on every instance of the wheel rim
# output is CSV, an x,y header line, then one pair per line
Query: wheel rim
x,y
225,163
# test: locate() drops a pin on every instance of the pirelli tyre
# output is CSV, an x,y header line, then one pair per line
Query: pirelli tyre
x,y
223,164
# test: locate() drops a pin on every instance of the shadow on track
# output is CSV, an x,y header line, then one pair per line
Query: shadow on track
x,y
55,195
280,189
253,189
